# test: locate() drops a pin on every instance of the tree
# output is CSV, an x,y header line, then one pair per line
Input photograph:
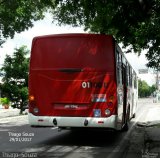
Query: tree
x,y
135,23
144,90
15,77
153,89
19,15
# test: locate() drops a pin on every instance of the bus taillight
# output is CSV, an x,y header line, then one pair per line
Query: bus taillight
x,y
31,98
107,112
110,101
111,98
110,106
32,105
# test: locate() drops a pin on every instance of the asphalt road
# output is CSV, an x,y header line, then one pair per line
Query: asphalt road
x,y
18,139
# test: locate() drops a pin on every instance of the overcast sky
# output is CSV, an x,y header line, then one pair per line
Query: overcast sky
x,y
45,27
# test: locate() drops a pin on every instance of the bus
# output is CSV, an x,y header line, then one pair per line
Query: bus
x,y
80,81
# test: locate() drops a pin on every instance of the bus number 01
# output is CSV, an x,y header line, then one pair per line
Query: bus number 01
x,y
86,84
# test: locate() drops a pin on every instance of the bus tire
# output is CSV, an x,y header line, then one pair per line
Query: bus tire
x,y
126,125
134,115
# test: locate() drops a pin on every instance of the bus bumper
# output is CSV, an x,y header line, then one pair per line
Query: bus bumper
x,y
109,122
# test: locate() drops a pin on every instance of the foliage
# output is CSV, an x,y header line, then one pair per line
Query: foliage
x,y
15,77
134,23
19,15
4,101
144,90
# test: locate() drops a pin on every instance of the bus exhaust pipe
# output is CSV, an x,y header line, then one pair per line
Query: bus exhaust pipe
x,y
55,122
85,122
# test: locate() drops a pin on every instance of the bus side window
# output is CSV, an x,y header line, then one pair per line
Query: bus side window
x,y
135,81
119,73
124,71
130,76
127,73
119,76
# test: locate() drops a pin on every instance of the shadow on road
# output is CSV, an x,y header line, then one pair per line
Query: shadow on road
x,y
48,142
85,138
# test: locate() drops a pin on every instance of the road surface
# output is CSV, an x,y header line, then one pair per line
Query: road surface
x,y
18,139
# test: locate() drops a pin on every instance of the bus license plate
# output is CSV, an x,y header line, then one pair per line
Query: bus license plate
x,y
97,112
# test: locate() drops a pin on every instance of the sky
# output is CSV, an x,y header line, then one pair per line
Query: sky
x,y
45,26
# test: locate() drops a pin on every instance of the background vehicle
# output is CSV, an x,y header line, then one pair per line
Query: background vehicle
x,y
80,81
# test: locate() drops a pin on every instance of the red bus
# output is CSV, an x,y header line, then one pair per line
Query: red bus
x,y
80,81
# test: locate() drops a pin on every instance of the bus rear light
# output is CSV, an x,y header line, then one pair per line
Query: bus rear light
x,y
107,112
31,98
110,104
35,110
110,101
111,98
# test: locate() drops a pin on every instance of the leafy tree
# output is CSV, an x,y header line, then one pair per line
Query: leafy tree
x,y
19,15
144,90
15,77
135,23
153,89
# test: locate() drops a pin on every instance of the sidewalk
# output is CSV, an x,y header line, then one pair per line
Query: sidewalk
x,y
144,141
8,112
152,132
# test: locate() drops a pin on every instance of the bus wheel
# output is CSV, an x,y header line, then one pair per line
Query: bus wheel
x,y
126,125
134,115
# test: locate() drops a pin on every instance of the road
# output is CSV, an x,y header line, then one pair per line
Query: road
x,y
18,139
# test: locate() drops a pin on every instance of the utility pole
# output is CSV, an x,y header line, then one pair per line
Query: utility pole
x,y
157,80
157,86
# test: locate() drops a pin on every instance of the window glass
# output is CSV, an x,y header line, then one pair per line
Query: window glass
x,y
135,81
119,73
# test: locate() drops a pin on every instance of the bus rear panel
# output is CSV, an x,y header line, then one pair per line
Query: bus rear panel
x,y
72,81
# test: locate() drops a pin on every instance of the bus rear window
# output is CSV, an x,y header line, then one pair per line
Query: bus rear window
x,y
67,52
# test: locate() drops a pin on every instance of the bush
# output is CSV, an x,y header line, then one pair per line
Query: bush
x,y
5,101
